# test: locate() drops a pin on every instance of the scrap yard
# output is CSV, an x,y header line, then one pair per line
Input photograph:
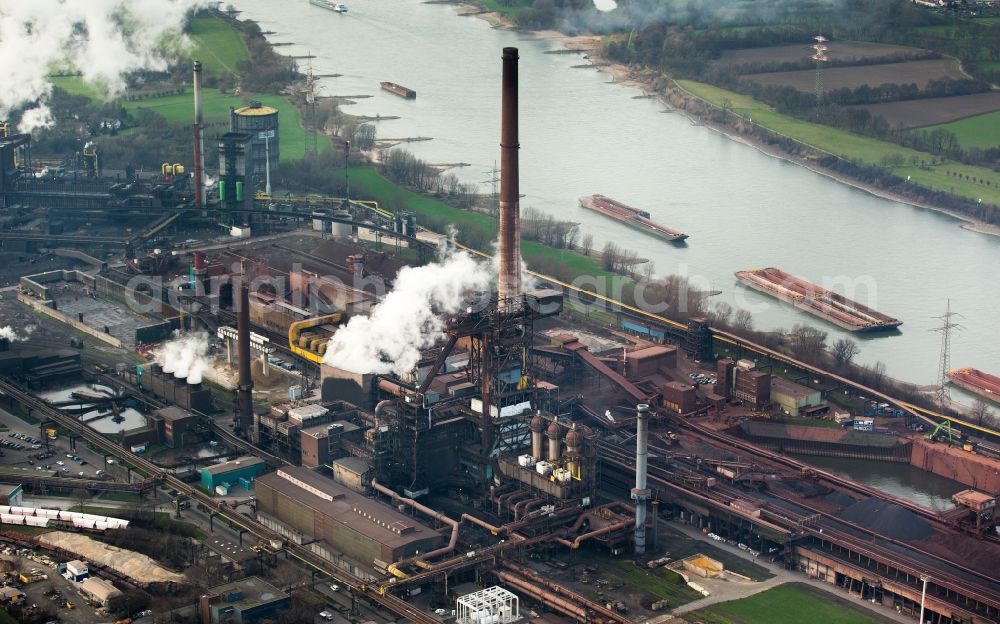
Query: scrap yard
x,y
309,408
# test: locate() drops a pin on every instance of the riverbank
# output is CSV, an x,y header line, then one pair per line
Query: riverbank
x,y
668,92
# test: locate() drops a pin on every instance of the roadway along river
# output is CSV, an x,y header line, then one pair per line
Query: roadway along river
x,y
580,135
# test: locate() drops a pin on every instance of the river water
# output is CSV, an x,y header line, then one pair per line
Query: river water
x,y
902,480
580,134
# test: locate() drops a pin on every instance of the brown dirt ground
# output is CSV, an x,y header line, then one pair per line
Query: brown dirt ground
x,y
839,50
917,72
933,111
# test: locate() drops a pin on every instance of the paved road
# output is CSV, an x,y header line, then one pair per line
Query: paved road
x,y
722,591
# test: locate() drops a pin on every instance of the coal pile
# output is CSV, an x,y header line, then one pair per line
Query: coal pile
x,y
887,519
839,499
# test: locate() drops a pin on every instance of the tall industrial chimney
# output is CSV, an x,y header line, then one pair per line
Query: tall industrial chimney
x,y
640,493
509,280
244,396
199,142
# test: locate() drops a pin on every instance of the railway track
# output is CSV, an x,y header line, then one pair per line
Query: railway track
x,y
792,521
755,451
376,594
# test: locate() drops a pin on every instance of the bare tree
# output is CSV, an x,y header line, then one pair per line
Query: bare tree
x,y
587,244
981,413
720,313
610,256
843,351
742,322
81,496
808,342
874,375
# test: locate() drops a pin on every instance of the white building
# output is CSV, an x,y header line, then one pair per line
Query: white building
x,y
493,605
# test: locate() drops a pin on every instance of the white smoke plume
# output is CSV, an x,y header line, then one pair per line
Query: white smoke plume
x,y
11,334
410,318
185,355
104,40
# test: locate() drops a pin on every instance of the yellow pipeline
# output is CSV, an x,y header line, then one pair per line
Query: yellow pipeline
x,y
295,330
393,570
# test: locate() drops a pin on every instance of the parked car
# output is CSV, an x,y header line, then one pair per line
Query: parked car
x,y
326,615
60,463
334,587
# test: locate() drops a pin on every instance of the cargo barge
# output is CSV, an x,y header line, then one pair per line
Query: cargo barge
x,y
826,304
326,4
639,219
399,90
977,382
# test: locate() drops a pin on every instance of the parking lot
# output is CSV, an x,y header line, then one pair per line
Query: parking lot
x,y
18,445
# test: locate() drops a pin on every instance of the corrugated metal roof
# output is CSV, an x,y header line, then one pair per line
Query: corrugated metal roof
x,y
368,517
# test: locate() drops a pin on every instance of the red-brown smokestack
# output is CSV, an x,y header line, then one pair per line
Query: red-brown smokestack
x,y
509,282
199,142
245,390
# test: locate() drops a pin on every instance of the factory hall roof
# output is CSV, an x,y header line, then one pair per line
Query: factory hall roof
x,y
235,464
172,413
368,517
783,386
248,592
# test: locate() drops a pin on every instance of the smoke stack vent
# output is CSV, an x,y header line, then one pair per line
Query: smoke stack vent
x,y
509,280
199,141
640,493
245,389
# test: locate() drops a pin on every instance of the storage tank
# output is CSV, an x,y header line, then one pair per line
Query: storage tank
x,y
258,119
341,229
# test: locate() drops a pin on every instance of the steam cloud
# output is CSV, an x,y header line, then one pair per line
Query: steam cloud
x,y
185,355
11,334
102,39
409,318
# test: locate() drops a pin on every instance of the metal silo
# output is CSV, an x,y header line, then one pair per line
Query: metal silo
x,y
262,123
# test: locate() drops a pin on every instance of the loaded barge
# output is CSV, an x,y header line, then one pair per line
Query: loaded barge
x,y
976,381
826,304
639,219
399,90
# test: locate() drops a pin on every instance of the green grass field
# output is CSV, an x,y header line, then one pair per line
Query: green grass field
x,y
855,147
785,604
981,131
180,109
217,45
505,9
368,183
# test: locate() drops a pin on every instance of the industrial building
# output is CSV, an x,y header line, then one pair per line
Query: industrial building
x,y
797,400
493,604
305,506
187,394
240,472
310,433
740,382
247,601
77,570
11,494
98,590
176,427
679,398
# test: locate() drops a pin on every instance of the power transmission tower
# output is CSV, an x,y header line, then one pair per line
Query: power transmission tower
x,y
947,325
821,58
493,181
